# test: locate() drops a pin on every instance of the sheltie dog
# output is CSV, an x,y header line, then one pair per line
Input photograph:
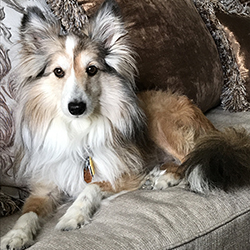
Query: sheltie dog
x,y
82,131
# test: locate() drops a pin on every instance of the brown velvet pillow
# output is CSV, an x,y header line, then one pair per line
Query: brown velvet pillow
x,y
175,49
237,28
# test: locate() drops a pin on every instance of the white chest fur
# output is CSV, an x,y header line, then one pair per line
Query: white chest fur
x,y
57,154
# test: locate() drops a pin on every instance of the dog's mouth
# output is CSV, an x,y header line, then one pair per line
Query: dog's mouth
x,y
77,108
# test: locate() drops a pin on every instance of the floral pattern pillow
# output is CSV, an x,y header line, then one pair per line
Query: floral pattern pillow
x,y
10,15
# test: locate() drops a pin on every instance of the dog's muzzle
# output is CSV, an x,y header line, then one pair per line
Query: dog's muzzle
x,y
77,108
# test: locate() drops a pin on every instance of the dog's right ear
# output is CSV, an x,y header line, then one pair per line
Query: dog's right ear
x,y
37,26
107,28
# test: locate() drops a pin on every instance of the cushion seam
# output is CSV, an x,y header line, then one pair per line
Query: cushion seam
x,y
208,231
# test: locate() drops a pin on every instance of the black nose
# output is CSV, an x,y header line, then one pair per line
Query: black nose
x,y
77,108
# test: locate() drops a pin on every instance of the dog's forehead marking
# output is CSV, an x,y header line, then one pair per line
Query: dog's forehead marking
x,y
70,45
80,63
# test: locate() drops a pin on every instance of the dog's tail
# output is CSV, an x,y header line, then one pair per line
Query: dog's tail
x,y
219,160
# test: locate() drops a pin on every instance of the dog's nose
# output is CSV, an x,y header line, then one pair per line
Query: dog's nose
x,y
77,108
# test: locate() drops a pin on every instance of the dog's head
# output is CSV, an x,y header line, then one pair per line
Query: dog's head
x,y
77,75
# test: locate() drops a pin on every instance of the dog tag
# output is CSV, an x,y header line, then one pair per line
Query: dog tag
x,y
89,170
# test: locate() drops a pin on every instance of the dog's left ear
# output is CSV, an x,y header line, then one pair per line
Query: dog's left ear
x,y
37,26
108,28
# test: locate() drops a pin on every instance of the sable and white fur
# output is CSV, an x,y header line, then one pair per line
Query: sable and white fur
x,y
54,142
76,99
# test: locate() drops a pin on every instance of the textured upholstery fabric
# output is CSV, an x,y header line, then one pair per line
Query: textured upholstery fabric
x,y
171,219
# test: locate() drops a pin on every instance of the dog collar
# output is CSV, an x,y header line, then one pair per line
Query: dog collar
x,y
89,170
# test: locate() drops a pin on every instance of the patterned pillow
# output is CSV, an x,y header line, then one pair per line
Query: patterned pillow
x,y
229,24
10,14
237,29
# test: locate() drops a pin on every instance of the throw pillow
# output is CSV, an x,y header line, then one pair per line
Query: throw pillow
x,y
175,49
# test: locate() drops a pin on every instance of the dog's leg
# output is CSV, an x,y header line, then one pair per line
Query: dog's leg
x,y
80,212
40,204
21,236
174,124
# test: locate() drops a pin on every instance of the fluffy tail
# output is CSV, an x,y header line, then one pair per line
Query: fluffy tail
x,y
219,160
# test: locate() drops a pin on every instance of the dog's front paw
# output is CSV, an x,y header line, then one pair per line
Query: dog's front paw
x,y
72,220
16,239
80,212
21,236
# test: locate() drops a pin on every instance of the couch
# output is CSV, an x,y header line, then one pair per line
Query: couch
x,y
194,47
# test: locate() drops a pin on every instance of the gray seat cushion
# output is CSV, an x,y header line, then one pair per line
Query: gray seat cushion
x,y
170,219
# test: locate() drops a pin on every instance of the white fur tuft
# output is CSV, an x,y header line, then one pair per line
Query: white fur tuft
x,y
197,182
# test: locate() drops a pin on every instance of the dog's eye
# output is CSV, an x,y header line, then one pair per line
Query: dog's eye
x,y
59,72
91,70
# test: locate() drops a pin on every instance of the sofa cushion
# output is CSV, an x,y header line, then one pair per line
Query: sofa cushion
x,y
170,219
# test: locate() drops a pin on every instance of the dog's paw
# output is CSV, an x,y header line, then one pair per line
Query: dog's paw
x,y
166,180
80,212
71,220
158,180
21,236
16,239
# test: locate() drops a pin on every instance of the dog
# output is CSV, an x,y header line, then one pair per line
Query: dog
x,y
82,131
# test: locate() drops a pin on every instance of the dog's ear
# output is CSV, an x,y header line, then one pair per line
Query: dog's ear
x,y
107,28
37,26
39,31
